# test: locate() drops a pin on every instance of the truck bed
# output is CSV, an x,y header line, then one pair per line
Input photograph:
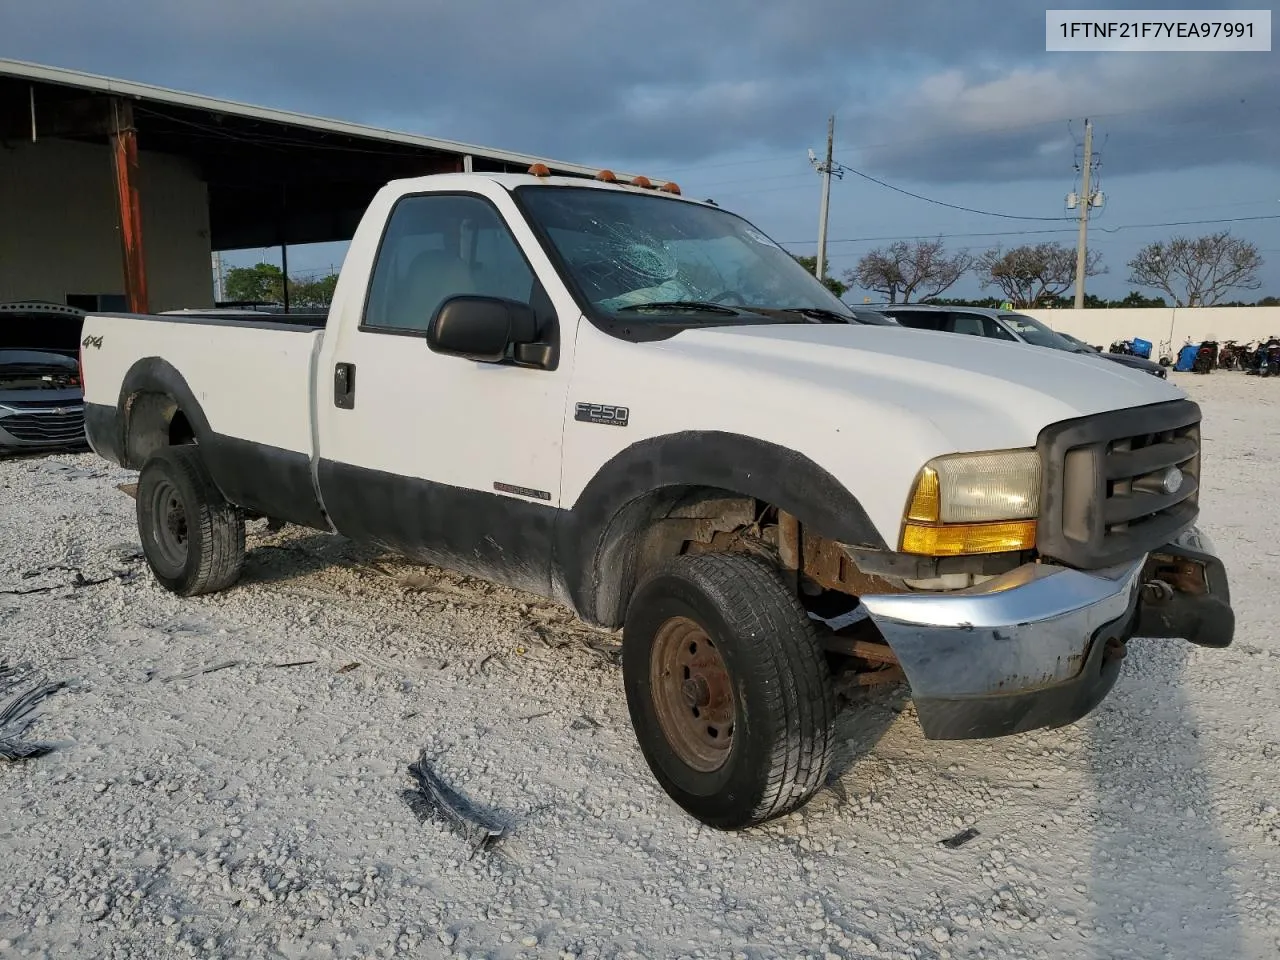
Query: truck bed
x,y
249,378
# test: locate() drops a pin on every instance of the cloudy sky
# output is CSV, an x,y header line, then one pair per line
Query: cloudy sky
x,y
954,100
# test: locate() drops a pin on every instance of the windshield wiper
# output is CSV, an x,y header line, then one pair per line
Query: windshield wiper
x,y
680,306
821,314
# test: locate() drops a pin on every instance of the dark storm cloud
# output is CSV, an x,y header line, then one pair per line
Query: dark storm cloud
x,y
675,83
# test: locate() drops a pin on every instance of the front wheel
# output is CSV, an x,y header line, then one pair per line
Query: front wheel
x,y
728,688
192,537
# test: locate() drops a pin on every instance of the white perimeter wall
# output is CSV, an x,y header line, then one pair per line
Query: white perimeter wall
x,y
59,234
1167,328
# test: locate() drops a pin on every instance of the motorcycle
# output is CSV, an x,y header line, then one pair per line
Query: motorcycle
x,y
1269,358
1232,355
1206,357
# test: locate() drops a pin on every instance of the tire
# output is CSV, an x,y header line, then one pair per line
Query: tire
x,y
772,747
192,538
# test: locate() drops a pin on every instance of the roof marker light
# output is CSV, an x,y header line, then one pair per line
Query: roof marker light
x,y
641,182
540,170
670,188
608,176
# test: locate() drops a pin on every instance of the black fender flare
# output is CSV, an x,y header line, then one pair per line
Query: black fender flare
x,y
597,583
156,375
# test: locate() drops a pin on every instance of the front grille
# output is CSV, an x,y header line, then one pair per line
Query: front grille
x,y
51,428
1103,500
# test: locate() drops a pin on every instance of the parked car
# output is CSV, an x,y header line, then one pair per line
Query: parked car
x,y
41,402
641,406
1005,325
1137,362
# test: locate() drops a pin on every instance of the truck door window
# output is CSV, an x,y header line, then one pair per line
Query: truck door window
x,y
438,246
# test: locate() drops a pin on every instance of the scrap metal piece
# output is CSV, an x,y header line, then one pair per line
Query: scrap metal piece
x,y
435,798
960,839
16,717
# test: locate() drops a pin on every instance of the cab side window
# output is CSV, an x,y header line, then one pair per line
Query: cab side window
x,y
438,246
920,319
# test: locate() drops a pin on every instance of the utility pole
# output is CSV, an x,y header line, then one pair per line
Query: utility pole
x,y
825,168
219,294
1086,201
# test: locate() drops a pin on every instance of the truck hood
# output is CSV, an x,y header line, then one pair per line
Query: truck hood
x,y
1007,392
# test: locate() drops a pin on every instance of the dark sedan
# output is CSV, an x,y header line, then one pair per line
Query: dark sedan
x,y
41,397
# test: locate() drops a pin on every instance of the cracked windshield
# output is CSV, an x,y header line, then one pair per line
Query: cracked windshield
x,y
627,251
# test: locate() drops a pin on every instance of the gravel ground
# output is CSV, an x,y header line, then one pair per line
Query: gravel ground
x,y
256,810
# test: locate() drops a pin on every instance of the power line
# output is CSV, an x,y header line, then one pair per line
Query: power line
x,y
943,203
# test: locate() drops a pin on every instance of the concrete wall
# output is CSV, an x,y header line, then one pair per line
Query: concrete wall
x,y
59,234
1167,328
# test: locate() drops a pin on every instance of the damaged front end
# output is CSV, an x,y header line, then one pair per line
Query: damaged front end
x,y
1041,645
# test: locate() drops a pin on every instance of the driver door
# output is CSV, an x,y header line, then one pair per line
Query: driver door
x,y
441,458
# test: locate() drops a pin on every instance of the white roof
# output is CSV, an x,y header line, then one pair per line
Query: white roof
x,y
125,88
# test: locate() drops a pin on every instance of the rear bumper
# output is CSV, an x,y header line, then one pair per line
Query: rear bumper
x,y
1041,646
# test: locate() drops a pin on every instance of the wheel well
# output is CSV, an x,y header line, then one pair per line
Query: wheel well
x,y
662,524
154,421
693,519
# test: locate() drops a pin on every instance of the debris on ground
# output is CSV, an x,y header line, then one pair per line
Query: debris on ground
x,y
960,839
213,668
16,717
435,798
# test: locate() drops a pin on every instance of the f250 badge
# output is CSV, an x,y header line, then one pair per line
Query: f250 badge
x,y
92,341
605,413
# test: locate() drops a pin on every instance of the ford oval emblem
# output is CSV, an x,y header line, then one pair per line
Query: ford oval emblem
x,y
1171,482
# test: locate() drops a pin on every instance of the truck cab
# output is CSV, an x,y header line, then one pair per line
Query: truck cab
x,y
639,405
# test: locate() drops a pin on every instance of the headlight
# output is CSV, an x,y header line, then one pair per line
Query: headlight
x,y
974,503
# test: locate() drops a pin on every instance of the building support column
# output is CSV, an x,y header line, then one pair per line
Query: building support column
x,y
124,156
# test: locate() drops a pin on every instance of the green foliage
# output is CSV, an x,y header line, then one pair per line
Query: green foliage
x,y
831,283
264,283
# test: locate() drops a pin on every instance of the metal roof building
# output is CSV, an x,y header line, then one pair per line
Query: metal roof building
x,y
180,175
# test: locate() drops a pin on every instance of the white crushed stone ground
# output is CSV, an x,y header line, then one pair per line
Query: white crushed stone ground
x,y
256,812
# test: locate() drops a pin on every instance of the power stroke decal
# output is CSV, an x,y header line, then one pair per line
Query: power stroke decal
x,y
602,413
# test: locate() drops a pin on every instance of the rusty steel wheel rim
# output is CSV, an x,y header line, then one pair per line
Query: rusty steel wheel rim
x,y
692,694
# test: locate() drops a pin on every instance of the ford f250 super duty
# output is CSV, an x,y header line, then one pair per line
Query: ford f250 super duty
x,y
639,405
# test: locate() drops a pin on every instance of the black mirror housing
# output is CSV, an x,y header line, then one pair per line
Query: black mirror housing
x,y
481,328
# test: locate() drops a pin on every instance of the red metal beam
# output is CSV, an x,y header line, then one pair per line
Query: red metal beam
x,y
124,155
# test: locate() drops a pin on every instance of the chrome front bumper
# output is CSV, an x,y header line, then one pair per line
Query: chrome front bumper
x,y
1041,645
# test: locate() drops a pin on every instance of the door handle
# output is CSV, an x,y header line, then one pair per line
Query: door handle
x,y
344,386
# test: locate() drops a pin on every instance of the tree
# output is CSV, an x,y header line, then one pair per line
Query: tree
x,y
831,283
1034,273
261,283
1197,272
921,266
1136,299
264,283
312,293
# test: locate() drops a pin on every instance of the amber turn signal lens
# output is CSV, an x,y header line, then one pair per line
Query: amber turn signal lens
x,y
960,539
926,498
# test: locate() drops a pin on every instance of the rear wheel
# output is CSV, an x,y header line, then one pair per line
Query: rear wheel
x,y
728,688
192,537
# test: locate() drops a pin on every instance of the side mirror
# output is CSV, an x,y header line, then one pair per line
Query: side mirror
x,y
481,328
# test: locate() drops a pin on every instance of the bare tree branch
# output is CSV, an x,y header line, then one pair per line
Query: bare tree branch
x,y
1033,273
1197,272
909,268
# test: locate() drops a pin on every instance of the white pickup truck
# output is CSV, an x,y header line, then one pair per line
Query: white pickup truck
x,y
639,405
